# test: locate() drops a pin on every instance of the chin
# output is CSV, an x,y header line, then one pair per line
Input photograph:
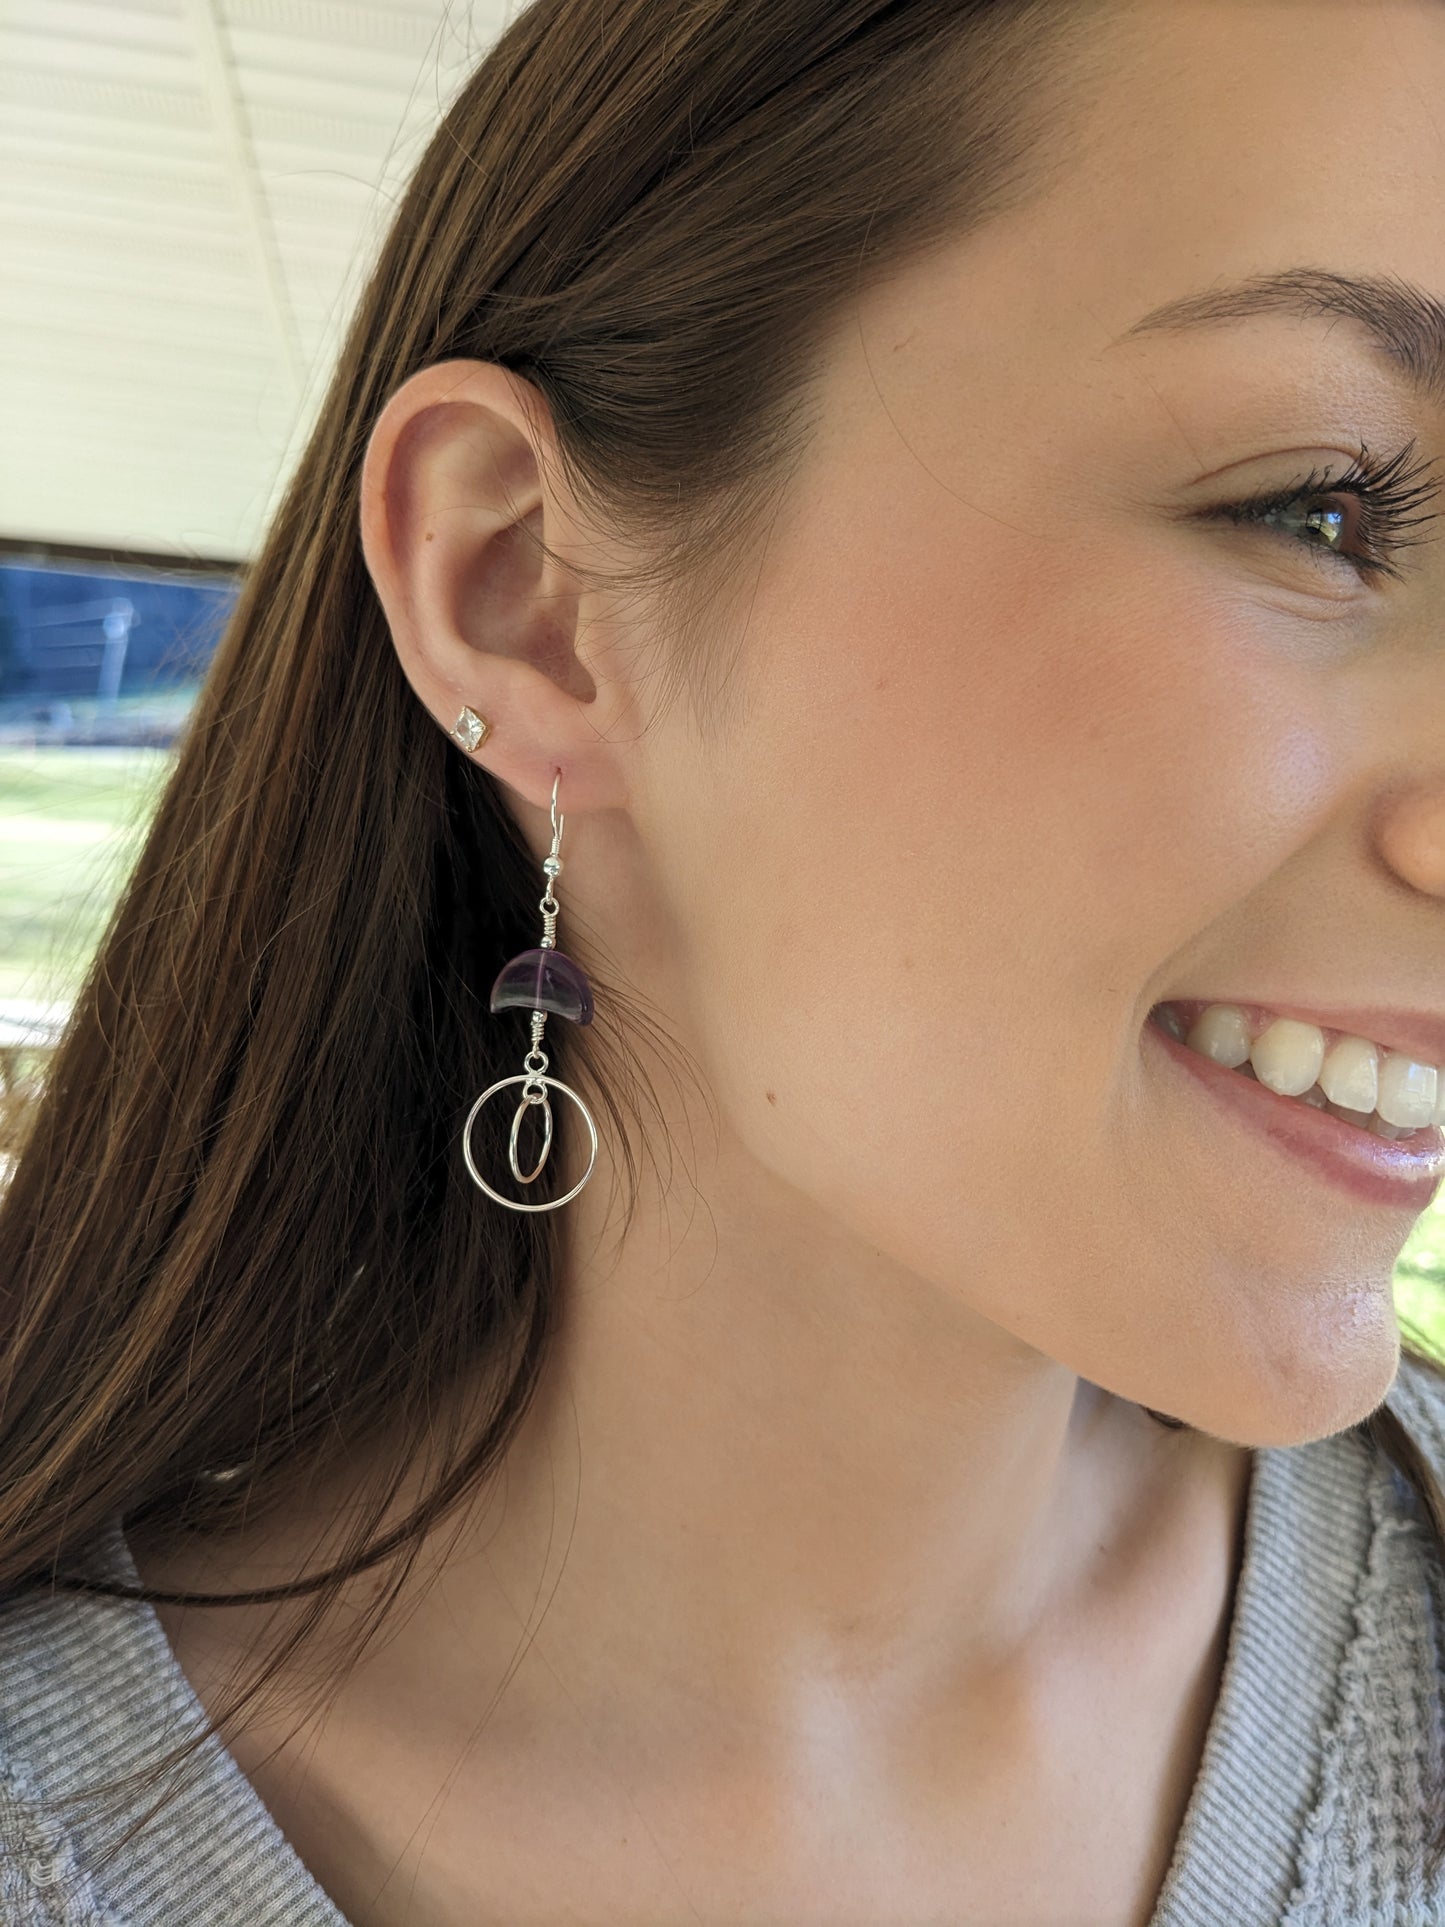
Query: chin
x,y
1309,1395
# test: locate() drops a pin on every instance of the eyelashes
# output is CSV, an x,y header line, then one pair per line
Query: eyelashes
x,y
1387,494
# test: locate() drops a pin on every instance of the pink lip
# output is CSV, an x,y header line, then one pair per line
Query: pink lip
x,y
1402,1172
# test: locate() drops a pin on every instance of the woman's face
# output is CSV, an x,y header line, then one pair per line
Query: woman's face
x,y
1028,741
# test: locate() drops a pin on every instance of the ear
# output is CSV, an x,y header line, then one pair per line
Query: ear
x,y
453,500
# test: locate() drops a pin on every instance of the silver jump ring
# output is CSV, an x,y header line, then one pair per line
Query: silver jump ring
x,y
533,1078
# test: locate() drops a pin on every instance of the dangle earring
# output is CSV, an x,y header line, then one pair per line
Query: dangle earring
x,y
539,980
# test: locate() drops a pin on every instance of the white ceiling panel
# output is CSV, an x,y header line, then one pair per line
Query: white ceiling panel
x,y
190,193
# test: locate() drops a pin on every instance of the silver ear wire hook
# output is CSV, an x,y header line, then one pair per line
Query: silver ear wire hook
x,y
541,980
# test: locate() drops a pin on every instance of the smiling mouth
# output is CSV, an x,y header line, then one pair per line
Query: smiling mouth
x,y
1398,1169
1304,1065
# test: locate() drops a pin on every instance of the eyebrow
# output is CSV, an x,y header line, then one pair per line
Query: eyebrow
x,y
1403,322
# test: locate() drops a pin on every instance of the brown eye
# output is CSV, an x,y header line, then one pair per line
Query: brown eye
x,y
1359,518
1340,531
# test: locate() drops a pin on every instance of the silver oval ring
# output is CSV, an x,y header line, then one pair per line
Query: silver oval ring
x,y
528,1077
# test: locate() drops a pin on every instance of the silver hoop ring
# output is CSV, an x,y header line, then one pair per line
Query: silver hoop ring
x,y
528,1077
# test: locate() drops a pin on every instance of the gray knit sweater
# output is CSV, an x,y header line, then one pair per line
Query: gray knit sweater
x,y
1309,1809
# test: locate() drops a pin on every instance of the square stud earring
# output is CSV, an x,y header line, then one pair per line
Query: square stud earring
x,y
469,729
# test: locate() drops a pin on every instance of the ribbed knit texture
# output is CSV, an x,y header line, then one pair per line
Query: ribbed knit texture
x,y
1310,1807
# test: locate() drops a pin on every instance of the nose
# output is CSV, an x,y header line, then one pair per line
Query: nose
x,y
1411,834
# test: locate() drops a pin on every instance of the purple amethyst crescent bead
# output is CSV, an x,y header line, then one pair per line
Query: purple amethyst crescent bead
x,y
544,980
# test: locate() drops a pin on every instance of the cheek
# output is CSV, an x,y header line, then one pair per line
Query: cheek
x,y
977,807
1179,750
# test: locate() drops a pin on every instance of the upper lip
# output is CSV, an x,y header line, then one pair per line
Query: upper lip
x,y
1419,1034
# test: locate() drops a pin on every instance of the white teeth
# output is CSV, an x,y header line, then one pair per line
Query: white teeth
x,y
1221,1031
1407,1091
1288,1056
1350,1076
1384,1091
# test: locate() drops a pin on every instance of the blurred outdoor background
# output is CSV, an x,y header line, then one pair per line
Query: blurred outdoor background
x,y
189,193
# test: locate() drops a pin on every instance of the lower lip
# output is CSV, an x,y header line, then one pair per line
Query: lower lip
x,y
1401,1172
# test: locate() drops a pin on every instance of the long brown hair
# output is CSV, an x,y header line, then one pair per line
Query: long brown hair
x,y
239,1240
